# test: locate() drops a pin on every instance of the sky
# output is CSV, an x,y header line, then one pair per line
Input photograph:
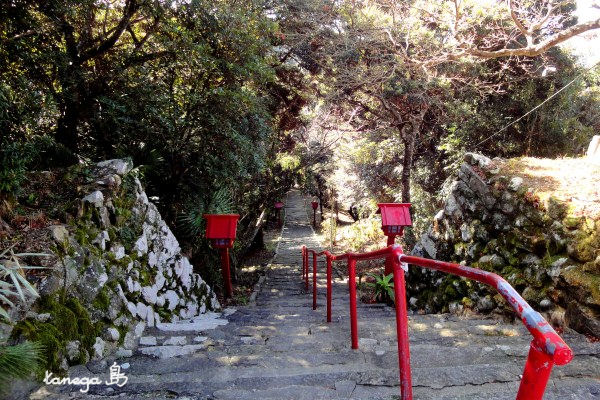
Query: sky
x,y
587,45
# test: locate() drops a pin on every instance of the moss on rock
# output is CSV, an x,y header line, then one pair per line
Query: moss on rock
x,y
102,300
68,321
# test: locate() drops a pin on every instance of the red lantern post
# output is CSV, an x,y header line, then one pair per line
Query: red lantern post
x,y
315,205
278,207
394,217
221,230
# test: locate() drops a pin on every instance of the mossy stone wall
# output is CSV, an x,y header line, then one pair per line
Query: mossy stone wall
x,y
493,222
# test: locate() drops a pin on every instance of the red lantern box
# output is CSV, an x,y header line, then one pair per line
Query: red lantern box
x,y
394,217
221,229
314,204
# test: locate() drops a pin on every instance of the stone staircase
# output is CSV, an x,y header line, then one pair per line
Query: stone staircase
x,y
281,349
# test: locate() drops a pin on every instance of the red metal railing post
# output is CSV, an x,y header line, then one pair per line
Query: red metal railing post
x,y
402,329
303,260
225,272
329,288
314,280
307,269
546,350
389,263
536,374
305,265
352,288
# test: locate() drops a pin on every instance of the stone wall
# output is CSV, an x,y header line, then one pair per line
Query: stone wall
x,y
493,222
117,268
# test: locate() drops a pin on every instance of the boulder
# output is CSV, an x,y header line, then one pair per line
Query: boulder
x,y
95,198
116,166
59,233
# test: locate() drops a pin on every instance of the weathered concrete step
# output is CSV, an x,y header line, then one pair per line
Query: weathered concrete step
x,y
575,390
379,355
425,380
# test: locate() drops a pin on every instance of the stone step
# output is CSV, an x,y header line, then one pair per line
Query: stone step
x,y
213,379
280,348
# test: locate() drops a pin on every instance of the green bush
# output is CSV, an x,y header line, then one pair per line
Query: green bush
x,y
14,160
19,361
383,286
17,158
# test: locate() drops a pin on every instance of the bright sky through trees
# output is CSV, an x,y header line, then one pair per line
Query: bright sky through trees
x,y
587,45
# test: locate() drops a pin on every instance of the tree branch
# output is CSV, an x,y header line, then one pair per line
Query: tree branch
x,y
131,6
540,23
30,32
522,28
536,50
145,58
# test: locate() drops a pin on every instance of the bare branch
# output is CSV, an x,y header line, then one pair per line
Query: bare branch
x,y
522,28
541,22
30,32
536,50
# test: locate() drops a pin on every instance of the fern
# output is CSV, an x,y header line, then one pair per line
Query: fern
x,y
19,361
383,286
221,202
192,221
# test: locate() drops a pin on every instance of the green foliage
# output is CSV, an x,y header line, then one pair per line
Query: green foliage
x,y
191,91
14,160
102,300
17,157
193,222
68,321
13,283
383,286
364,233
288,162
19,361
563,126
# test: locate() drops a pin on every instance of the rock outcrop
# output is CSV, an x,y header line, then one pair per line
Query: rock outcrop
x,y
118,268
494,222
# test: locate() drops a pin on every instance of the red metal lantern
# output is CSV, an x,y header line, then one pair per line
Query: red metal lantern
x,y
278,207
314,205
221,230
394,217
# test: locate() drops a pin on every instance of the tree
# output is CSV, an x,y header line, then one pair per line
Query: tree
x,y
393,65
75,50
541,24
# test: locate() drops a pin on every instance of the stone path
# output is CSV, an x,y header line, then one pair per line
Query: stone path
x,y
281,349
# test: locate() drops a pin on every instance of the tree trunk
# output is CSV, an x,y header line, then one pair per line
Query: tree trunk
x,y
409,144
321,203
353,213
66,132
409,133
74,98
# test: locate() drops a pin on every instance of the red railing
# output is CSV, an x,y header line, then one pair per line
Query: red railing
x,y
546,349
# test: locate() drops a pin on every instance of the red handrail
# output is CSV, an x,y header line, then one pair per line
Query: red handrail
x,y
547,347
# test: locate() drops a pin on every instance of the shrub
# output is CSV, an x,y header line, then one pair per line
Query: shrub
x,y
19,361
383,286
